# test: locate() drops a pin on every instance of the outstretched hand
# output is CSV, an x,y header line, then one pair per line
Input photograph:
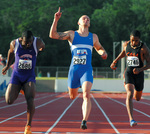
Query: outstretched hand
x,y
58,14
104,56
113,66
4,70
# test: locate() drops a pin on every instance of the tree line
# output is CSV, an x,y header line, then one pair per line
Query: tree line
x,y
111,20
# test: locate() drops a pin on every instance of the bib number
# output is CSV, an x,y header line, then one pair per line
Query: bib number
x,y
132,61
79,60
25,64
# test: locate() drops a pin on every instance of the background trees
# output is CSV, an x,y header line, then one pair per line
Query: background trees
x,y
111,20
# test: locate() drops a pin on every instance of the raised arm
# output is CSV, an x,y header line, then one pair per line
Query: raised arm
x,y
99,48
53,30
10,57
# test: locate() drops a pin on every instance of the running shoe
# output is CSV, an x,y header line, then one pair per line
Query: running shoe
x,y
133,123
27,130
83,125
22,92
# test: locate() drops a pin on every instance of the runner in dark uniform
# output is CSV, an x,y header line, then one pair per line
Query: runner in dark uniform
x,y
134,61
136,53
25,50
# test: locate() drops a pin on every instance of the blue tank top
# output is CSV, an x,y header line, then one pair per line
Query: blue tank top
x,y
81,49
25,59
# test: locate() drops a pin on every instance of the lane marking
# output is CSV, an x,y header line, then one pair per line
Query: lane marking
x,y
125,106
19,98
142,102
7,132
35,108
7,106
105,115
61,116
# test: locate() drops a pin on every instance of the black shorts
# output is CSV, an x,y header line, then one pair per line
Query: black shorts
x,y
136,79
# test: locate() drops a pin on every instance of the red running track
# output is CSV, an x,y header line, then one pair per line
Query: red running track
x,y
56,113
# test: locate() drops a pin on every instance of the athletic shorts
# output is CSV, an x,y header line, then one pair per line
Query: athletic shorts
x,y
136,79
78,75
20,79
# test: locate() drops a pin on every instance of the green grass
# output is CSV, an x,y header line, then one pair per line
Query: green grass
x,y
53,78
49,78
45,78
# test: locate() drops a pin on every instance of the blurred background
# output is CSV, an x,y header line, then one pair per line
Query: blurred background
x,y
111,20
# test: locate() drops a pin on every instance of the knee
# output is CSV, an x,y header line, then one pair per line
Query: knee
x,y
72,97
8,99
129,95
86,96
137,99
30,100
73,94
9,102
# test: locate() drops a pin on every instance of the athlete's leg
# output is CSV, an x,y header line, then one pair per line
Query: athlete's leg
x,y
86,106
12,93
73,92
129,104
137,95
29,91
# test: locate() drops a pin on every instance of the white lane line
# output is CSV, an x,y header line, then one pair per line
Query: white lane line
x,y
105,116
125,106
7,132
5,101
7,106
61,116
142,102
2,101
21,98
35,108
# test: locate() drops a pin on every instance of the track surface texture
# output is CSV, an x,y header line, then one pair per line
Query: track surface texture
x,y
55,113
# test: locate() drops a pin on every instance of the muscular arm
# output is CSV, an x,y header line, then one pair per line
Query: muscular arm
x,y
53,30
10,57
98,47
146,56
40,44
58,35
120,56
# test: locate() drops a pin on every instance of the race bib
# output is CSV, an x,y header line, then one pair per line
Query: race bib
x,y
25,64
79,60
132,61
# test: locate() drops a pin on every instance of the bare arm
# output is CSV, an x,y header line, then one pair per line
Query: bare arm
x,y
120,56
53,30
10,57
146,56
98,47
40,44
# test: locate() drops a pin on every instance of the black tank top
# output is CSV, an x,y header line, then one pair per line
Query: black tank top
x,y
133,57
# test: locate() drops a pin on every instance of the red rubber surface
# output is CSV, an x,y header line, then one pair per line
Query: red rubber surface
x,y
56,113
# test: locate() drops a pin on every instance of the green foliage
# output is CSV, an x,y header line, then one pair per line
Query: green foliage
x,y
111,20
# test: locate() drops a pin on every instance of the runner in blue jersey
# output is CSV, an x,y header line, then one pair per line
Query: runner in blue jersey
x,y
25,50
80,72
136,53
